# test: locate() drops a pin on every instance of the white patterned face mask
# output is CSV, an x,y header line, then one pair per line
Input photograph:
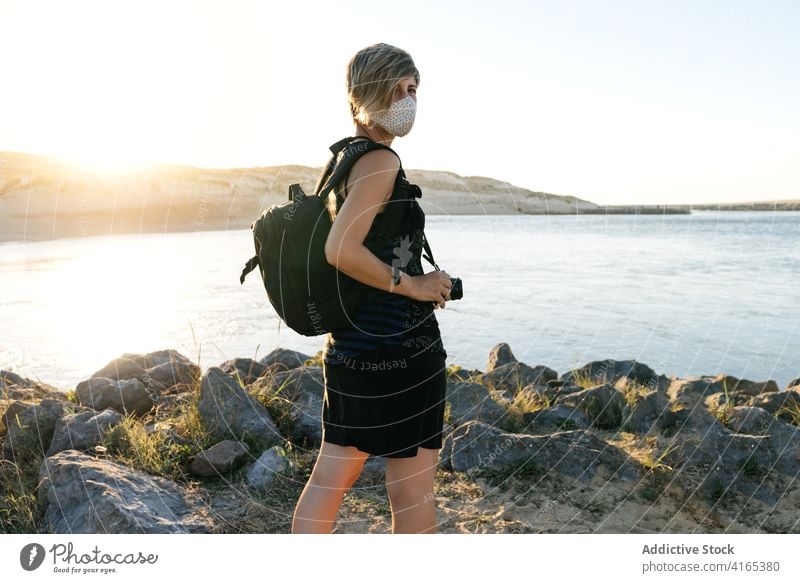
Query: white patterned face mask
x,y
399,118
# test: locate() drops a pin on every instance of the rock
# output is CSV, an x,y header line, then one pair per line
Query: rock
x,y
228,412
13,387
304,387
460,374
162,371
128,396
171,377
645,412
794,384
612,371
780,404
750,420
220,458
557,418
249,370
747,387
286,358
688,419
716,401
545,391
499,355
578,454
515,375
121,368
374,469
9,379
262,473
306,415
445,452
82,430
557,388
472,401
447,447
29,428
602,405
717,461
297,381
705,385
129,364
86,495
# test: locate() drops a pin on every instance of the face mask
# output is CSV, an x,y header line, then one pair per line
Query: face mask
x,y
399,118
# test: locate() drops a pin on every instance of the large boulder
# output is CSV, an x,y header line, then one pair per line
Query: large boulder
x,y
82,430
128,396
86,495
578,454
229,412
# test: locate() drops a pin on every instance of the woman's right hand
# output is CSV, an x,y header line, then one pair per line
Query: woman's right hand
x,y
432,287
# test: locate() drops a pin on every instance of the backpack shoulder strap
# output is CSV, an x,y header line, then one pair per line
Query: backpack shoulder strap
x,y
335,148
345,155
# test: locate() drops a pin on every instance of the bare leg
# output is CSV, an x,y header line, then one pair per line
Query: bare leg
x,y
409,483
337,468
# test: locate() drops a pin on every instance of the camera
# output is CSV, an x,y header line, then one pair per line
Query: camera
x,y
456,293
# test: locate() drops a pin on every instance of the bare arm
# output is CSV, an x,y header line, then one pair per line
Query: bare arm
x,y
374,176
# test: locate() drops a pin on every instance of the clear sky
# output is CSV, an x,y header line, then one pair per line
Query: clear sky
x,y
616,102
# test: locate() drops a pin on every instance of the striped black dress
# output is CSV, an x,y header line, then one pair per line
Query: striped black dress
x,y
385,376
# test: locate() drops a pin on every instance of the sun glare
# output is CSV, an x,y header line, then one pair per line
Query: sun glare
x,y
118,96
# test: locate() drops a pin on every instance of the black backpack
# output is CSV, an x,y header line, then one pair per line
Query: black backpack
x,y
308,293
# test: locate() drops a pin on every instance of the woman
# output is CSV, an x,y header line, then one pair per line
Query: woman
x,y
385,376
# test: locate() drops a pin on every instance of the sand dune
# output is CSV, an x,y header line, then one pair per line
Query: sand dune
x,y
42,197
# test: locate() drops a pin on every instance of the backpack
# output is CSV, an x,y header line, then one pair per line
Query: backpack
x,y
310,295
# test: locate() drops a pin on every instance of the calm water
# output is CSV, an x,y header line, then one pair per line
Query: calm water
x,y
686,294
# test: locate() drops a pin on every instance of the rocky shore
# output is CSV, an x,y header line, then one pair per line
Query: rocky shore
x,y
150,443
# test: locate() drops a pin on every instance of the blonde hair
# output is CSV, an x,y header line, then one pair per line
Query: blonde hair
x,y
373,74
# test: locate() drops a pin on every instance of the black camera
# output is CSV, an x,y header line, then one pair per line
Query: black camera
x,y
456,293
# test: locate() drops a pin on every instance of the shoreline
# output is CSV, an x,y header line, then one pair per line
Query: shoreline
x,y
67,228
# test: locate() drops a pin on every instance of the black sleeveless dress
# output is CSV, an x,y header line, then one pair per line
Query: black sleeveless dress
x,y
385,376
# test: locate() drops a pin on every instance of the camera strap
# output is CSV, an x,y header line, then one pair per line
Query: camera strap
x,y
429,256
